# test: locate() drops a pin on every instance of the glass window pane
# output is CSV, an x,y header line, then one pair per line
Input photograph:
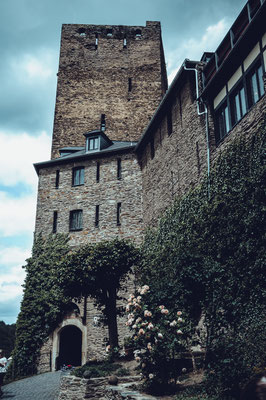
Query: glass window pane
x,y
237,108
81,176
260,77
254,88
243,101
227,125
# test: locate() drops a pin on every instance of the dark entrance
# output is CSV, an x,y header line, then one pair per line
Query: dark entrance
x,y
70,346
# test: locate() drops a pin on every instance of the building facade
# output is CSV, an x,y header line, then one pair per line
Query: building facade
x,y
110,81
124,148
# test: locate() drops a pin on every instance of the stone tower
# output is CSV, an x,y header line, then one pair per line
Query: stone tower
x,y
110,78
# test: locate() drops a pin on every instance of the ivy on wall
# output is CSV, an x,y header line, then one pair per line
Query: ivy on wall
x,y
43,306
208,258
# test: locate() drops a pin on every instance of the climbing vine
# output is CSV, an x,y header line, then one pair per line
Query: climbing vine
x,y
42,306
207,256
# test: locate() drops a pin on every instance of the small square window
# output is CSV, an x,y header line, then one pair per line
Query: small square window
x,y
75,220
78,176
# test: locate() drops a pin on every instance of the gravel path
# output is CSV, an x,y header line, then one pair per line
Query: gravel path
x,y
38,387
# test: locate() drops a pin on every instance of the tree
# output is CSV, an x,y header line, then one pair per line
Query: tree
x,y
98,270
42,306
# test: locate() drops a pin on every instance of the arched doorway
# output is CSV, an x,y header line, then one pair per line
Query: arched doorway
x,y
70,346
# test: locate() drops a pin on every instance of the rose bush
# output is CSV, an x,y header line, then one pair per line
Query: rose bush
x,y
160,336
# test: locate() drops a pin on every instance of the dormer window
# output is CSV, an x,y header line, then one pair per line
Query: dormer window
x,y
97,141
93,143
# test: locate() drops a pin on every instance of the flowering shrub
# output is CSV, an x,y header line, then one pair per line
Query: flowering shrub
x,y
159,335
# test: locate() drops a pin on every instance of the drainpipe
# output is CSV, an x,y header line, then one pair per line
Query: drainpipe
x,y
206,121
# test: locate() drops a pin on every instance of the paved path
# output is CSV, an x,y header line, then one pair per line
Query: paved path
x,y
38,387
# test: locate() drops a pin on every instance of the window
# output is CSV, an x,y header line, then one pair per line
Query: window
x,y
169,122
152,148
98,172
118,214
78,176
55,222
109,32
129,84
255,85
97,210
57,178
96,41
125,43
75,220
93,144
138,33
239,100
238,104
223,125
119,169
103,122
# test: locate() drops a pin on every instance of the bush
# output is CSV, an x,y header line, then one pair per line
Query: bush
x,y
160,337
97,369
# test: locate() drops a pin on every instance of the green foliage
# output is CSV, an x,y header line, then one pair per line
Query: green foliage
x,y
43,305
7,337
98,270
97,369
160,336
207,256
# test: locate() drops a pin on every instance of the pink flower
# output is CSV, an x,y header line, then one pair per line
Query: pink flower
x,y
149,346
180,319
147,313
173,323
160,335
108,348
137,359
151,376
179,332
161,307
164,311
141,331
150,326
179,313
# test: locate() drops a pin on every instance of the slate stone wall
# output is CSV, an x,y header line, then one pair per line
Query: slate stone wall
x,y
94,81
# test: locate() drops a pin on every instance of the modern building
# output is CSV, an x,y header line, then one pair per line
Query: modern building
x,y
124,146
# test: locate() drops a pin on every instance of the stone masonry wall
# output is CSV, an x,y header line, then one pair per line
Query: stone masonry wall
x,y
92,82
179,160
106,193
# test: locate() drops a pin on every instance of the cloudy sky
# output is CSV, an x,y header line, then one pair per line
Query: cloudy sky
x,y
29,48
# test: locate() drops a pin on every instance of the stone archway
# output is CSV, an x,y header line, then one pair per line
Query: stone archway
x,y
70,346
68,328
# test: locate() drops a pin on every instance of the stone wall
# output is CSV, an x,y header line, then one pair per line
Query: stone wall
x,y
94,81
179,159
106,193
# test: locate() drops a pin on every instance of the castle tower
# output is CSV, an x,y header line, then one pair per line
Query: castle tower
x,y
110,78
